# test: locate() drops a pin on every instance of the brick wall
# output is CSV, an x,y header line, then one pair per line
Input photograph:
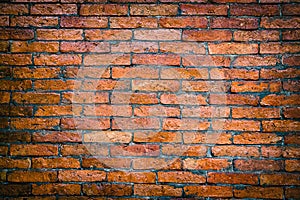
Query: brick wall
x,y
146,98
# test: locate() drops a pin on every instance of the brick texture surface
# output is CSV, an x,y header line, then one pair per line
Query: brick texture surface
x,y
149,99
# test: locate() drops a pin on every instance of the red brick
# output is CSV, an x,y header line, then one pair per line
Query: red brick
x,y
33,150
135,123
235,151
106,59
292,139
206,164
291,112
258,165
185,124
158,34
153,9
246,61
31,176
239,23
292,192
253,86
105,189
86,72
58,110
133,22
122,163
278,100
292,9
81,175
207,35
107,110
156,111
291,152
8,163
160,137
14,9
232,178
156,163
233,48
206,138
103,9
145,59
55,163
261,35
54,60
184,73
205,60
16,110
108,136
108,34
84,22
56,189
279,48
228,74
180,177
29,21
209,191
17,34
59,34
291,85
135,150
182,47
292,165
156,190
135,72
15,59
279,179
280,73
34,47
193,9
254,10
236,125
84,149
234,1
84,123
135,47
105,84
183,150
278,23
36,73
256,138
53,9
132,177
281,125
36,98
183,22
34,123
291,35
134,98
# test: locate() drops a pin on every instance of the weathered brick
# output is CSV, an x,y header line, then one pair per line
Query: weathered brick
x,y
202,9
14,9
232,178
103,9
206,35
56,189
258,165
59,34
158,34
152,9
254,10
183,22
278,23
259,192
206,163
233,22
156,190
180,177
84,22
256,138
53,9
209,191
133,177
33,150
81,175
34,47
37,21
31,176
233,48
55,163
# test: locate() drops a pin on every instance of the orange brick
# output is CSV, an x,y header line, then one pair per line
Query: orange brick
x,y
107,189
155,85
135,150
106,59
233,48
183,22
253,86
15,85
206,163
232,178
228,74
233,99
233,22
145,59
258,165
84,149
156,163
31,176
291,35
135,47
99,47
180,177
34,123
15,59
134,98
259,192
36,73
206,35
158,34
279,48
183,150
160,137
28,21
256,138
103,9
84,22
209,191
33,150
279,179
84,123
135,123
236,125
55,163
14,9
116,163
184,73
59,34
292,165
17,34
291,112
205,60
81,175
4,21
36,98
133,22
278,23
108,34
133,177
156,111
185,124
283,73
202,9
56,189
8,163
4,46
53,9
153,9
34,47
277,100
261,35
135,72
188,99
156,190
235,151
206,138
54,60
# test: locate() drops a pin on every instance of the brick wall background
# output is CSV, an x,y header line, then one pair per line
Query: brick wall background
x,y
145,98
